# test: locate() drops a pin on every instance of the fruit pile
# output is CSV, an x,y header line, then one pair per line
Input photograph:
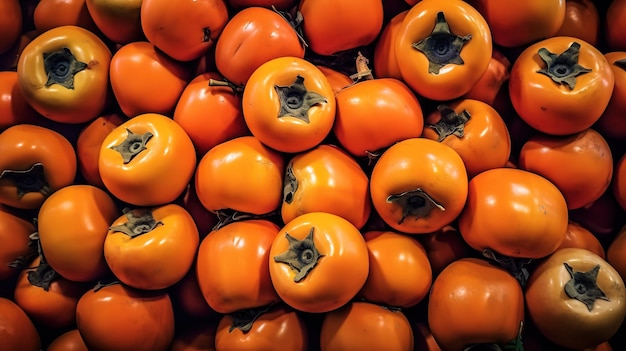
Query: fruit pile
x,y
312,175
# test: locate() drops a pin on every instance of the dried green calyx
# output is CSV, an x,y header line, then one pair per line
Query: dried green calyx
x,y
563,68
61,66
302,255
414,203
442,47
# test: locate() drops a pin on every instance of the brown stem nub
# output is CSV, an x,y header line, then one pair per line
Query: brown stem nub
x,y
442,47
451,123
363,71
225,83
290,184
32,180
132,145
296,100
103,284
61,66
415,203
583,286
302,255
244,319
140,221
563,68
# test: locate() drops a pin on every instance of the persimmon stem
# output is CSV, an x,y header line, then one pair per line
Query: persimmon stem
x,y
302,255
414,203
244,319
450,123
296,100
61,66
140,221
563,68
225,83
515,266
363,71
31,180
583,286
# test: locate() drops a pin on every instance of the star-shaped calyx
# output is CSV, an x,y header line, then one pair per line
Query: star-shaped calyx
x,y
296,100
140,221
132,145
450,123
563,68
442,47
583,286
61,66
290,184
302,255
32,180
414,203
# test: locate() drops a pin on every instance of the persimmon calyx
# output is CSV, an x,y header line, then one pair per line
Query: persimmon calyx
x,y
451,123
563,68
132,145
290,185
514,265
32,180
296,100
60,67
227,216
42,276
583,286
244,319
414,203
104,283
442,47
620,63
140,221
302,255
295,22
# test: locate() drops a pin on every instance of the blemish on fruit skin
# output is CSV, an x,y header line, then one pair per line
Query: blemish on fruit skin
x,y
543,108
542,209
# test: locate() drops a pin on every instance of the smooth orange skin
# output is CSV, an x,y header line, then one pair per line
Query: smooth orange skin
x,y
279,326
157,259
73,223
358,21
612,122
232,266
366,326
444,247
252,37
400,273
485,144
565,321
615,252
23,145
453,80
329,180
117,20
209,114
14,235
580,165
582,20
385,60
359,127
618,188
518,24
55,308
145,80
474,287
578,236
88,145
221,183
195,337
90,95
614,25
17,331
423,338
495,77
50,14
345,258
515,213
336,79
178,27
261,105
11,23
118,317
419,163
13,107
148,179
68,341
552,108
